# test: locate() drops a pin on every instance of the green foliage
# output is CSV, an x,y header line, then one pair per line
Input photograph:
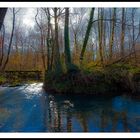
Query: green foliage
x,y
134,70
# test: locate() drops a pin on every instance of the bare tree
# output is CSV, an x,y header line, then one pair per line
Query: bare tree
x,y
49,38
100,33
57,61
76,25
90,23
41,40
134,35
11,38
112,33
66,39
122,32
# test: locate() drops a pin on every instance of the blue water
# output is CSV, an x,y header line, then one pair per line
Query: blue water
x,y
28,108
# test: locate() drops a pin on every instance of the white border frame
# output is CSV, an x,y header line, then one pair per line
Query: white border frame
x,y
70,4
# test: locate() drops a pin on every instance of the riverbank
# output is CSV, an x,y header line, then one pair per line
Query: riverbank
x,y
96,80
17,79
112,80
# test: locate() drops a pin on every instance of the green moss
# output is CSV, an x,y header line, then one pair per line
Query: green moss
x,y
95,79
60,87
134,70
129,67
2,79
17,79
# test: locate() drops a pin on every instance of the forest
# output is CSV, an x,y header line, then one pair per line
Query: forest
x,y
78,50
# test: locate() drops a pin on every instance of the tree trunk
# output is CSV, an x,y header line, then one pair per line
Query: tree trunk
x,y
2,46
48,40
42,51
57,62
52,48
122,32
104,38
10,43
133,34
87,33
100,32
66,39
2,15
41,43
112,34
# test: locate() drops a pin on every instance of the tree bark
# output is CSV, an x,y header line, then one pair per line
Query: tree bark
x,y
48,40
100,33
2,15
122,32
66,39
57,62
10,43
41,42
87,33
2,46
112,34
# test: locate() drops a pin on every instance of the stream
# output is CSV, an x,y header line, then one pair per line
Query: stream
x,y
28,108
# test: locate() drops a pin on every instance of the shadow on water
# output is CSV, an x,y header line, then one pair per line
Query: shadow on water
x,y
29,108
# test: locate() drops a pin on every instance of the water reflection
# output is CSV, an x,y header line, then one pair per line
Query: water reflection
x,y
29,109
67,114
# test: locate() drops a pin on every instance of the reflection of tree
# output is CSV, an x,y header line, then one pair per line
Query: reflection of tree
x,y
49,119
57,114
125,123
84,124
59,121
117,116
69,122
53,120
114,122
61,113
82,118
104,120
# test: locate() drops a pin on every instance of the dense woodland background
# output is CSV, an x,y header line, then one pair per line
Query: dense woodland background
x,y
61,36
